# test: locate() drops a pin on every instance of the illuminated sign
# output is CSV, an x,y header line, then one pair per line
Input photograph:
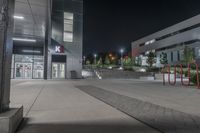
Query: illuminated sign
x,y
59,49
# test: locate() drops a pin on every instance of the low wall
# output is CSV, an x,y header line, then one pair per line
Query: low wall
x,y
119,74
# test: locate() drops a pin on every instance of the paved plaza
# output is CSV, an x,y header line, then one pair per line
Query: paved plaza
x,y
106,106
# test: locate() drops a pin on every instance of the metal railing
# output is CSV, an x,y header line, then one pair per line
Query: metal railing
x,y
173,83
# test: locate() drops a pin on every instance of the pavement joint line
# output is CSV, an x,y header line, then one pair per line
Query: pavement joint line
x,y
25,116
160,119
123,112
42,88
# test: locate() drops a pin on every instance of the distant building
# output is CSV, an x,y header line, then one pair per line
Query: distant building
x,y
47,39
171,41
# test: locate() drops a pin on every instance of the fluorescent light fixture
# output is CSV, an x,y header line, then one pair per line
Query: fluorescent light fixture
x,y
18,17
24,40
31,51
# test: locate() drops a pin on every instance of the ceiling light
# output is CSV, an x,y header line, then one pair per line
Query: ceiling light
x,y
24,40
18,17
31,51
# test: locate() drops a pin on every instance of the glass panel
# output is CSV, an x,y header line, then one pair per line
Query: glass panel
x,y
67,21
19,70
27,71
24,58
68,15
199,52
62,70
23,70
38,68
68,37
55,70
68,27
28,66
58,70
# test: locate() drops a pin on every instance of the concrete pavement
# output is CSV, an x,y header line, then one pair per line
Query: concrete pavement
x,y
97,106
180,98
59,107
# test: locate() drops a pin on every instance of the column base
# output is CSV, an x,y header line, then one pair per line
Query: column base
x,y
10,120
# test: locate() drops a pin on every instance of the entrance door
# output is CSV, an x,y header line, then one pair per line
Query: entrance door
x,y
23,70
58,70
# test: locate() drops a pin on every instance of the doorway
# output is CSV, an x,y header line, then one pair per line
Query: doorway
x,y
58,70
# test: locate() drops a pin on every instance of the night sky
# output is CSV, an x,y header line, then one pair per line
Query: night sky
x,y
110,24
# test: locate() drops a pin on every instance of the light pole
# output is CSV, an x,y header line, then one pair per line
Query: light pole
x,y
95,59
122,52
84,60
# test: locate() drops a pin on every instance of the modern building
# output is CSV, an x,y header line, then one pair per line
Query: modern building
x,y
170,41
47,39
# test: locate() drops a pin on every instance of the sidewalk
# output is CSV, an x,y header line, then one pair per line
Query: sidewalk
x,y
166,108
59,107
180,98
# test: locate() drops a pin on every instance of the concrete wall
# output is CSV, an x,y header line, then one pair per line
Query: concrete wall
x,y
118,74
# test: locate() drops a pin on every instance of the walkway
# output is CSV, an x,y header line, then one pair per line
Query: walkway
x,y
59,107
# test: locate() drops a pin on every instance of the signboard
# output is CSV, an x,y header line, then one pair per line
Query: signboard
x,y
59,49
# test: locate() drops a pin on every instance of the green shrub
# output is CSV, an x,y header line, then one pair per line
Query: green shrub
x,y
153,69
129,68
194,78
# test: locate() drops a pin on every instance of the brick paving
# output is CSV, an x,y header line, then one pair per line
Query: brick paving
x,y
163,119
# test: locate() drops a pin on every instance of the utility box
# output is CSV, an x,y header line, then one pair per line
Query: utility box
x,y
73,74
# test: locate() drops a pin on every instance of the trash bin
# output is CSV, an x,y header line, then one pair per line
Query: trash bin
x,y
73,74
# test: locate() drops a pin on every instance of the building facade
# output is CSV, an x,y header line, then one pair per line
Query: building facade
x,y
170,41
48,39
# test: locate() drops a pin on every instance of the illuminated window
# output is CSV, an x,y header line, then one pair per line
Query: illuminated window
x,y
199,52
68,27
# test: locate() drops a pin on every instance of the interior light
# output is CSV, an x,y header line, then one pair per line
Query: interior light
x,y
18,17
24,40
31,51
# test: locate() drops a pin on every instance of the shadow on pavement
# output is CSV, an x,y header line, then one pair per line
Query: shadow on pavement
x,y
85,128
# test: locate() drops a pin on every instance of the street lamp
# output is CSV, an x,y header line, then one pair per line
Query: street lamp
x,y
84,60
95,59
122,52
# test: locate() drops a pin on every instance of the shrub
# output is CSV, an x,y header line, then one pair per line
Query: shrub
x,y
129,68
194,78
153,69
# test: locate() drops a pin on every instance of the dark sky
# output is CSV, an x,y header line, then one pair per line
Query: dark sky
x,y
112,24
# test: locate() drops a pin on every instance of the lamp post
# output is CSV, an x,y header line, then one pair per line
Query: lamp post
x,y
122,52
84,60
95,59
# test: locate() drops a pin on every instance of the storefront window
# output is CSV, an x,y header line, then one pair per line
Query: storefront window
x,y
199,52
27,66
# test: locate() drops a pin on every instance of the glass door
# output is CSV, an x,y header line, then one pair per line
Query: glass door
x,y
23,70
58,70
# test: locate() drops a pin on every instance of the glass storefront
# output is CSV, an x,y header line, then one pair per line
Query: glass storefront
x,y
27,67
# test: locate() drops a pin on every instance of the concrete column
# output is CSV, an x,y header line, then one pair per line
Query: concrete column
x,y
6,46
47,71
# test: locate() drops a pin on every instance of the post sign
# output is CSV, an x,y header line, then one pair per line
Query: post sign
x,y
59,49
